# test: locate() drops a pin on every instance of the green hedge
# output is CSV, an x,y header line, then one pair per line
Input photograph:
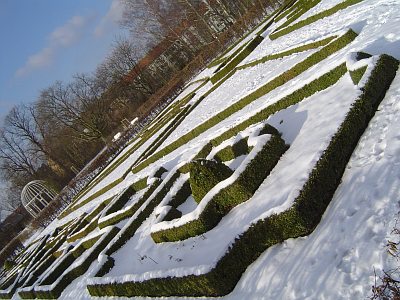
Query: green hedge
x,y
77,271
232,151
302,7
122,215
237,59
172,214
299,49
356,75
181,195
227,198
314,18
298,69
300,220
204,175
130,230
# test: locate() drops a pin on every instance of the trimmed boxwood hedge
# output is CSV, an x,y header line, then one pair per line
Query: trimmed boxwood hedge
x,y
356,75
298,49
295,71
300,220
232,151
227,198
302,6
122,215
314,18
73,273
237,59
130,230
204,175
181,196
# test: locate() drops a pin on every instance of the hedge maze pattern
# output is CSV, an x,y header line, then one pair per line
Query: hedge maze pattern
x,y
225,173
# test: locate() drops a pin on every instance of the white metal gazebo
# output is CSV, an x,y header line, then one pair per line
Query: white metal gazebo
x,y
36,195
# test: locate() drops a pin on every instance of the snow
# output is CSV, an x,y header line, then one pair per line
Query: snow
x,y
338,259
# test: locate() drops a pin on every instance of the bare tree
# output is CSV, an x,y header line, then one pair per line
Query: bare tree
x,y
78,106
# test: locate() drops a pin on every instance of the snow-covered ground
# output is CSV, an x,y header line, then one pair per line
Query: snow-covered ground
x,y
338,259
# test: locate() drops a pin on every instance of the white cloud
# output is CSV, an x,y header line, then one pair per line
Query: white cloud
x,y
61,37
111,19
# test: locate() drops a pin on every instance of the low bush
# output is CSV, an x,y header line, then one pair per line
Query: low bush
x,y
204,175
301,8
356,75
300,220
181,195
237,59
241,190
172,214
232,151
128,231
299,68
299,49
314,18
126,213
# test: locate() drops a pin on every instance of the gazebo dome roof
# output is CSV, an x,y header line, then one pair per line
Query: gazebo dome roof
x,y
33,190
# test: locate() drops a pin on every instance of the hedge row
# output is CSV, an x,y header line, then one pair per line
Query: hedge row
x,y
287,10
298,69
100,192
74,273
302,7
204,175
232,151
128,231
300,220
181,195
241,190
299,49
237,59
356,75
314,18
124,214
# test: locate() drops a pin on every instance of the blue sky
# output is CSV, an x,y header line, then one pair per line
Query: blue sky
x,y
47,40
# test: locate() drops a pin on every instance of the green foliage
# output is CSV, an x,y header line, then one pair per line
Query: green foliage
x,y
203,152
172,214
55,291
313,18
237,59
130,230
126,213
299,49
181,195
231,152
227,198
140,184
204,175
356,75
300,220
8,264
310,61
300,8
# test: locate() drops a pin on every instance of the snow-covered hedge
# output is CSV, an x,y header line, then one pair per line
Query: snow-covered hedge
x,y
300,220
245,183
237,59
278,81
232,151
313,18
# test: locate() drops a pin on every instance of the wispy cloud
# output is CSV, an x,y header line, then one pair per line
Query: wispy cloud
x,y
61,37
111,19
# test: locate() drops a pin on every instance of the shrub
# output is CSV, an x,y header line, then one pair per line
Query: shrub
x,y
228,197
204,175
310,61
300,220
313,18
356,75
231,152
